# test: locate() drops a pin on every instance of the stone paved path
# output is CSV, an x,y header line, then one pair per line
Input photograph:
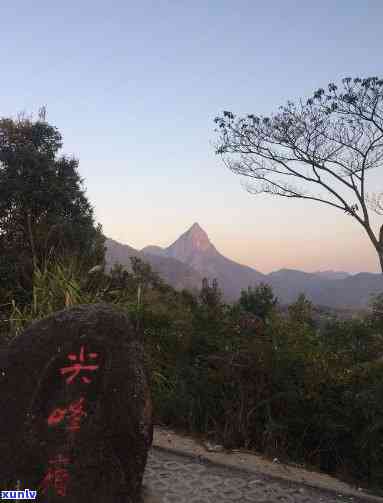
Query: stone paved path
x,y
177,479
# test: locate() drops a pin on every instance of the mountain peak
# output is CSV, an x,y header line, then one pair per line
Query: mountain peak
x,y
196,227
192,243
197,238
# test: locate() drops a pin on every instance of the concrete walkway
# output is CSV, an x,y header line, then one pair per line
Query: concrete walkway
x,y
181,474
173,478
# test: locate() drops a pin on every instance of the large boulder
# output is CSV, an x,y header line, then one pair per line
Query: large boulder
x,y
75,408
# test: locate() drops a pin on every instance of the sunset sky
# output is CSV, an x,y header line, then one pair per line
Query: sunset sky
x,y
134,88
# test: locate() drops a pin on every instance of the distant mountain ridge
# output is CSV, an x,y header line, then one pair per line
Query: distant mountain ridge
x,y
195,249
173,271
333,274
192,257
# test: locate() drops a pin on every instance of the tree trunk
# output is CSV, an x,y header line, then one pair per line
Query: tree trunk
x,y
31,240
376,241
380,254
379,249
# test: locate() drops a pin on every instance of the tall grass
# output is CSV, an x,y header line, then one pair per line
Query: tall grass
x,y
56,285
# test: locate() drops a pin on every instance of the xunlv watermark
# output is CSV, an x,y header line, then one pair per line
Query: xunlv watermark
x,y
25,494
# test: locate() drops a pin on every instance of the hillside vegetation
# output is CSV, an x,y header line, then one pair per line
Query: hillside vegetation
x,y
292,383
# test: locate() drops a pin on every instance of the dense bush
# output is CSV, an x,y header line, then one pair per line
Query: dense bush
x,y
246,375
283,388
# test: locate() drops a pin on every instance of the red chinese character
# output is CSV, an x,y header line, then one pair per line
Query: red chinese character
x,y
57,476
56,416
76,368
75,411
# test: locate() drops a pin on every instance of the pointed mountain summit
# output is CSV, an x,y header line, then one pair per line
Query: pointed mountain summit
x,y
198,236
190,245
195,249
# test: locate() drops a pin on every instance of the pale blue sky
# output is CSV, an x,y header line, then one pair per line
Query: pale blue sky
x,y
134,88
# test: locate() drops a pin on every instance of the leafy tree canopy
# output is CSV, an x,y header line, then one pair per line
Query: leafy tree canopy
x,y
43,207
259,301
301,310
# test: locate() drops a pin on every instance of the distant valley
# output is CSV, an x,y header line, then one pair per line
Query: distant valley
x,y
192,257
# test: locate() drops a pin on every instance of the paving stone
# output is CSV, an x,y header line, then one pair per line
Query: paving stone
x,y
177,480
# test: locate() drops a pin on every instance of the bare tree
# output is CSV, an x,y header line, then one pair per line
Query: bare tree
x,y
320,149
